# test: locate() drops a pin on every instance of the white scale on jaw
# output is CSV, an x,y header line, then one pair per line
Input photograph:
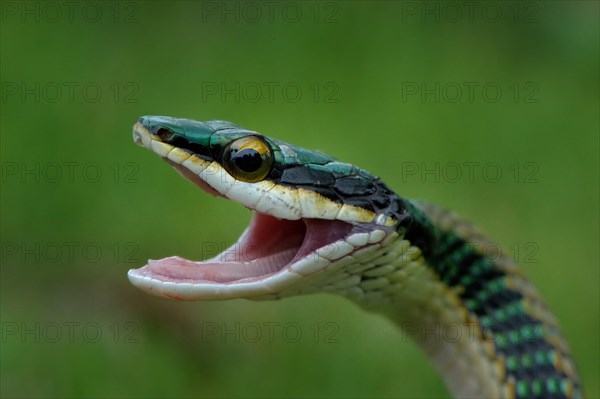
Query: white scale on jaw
x,y
292,247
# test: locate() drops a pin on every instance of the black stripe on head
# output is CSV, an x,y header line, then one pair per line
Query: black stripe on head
x,y
358,189
169,137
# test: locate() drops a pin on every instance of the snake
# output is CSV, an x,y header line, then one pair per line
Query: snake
x,y
321,225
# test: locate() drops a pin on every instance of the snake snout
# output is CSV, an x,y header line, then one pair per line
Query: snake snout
x,y
141,136
137,138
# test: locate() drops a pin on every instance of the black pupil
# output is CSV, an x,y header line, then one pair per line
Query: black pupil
x,y
248,160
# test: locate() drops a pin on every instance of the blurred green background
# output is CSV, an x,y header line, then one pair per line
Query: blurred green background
x,y
384,85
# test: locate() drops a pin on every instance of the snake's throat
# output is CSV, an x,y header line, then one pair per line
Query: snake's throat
x,y
268,246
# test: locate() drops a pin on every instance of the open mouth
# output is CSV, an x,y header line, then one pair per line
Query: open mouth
x,y
268,245
265,248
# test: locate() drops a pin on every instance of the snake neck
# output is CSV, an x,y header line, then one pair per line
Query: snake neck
x,y
482,324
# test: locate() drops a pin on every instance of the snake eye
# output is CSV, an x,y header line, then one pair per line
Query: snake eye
x,y
248,159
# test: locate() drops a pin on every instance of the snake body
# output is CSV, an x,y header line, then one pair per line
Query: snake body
x,y
325,226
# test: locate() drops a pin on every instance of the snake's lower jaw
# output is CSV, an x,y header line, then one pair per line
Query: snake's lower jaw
x,y
270,257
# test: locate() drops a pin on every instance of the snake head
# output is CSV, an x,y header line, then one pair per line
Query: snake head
x,y
310,211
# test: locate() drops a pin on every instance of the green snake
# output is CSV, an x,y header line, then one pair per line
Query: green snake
x,y
320,225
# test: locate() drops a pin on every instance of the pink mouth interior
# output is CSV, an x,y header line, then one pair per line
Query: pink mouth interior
x,y
268,246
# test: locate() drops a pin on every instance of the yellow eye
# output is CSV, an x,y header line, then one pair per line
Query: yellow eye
x,y
248,159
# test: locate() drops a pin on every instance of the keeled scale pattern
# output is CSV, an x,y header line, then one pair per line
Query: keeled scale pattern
x,y
527,342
